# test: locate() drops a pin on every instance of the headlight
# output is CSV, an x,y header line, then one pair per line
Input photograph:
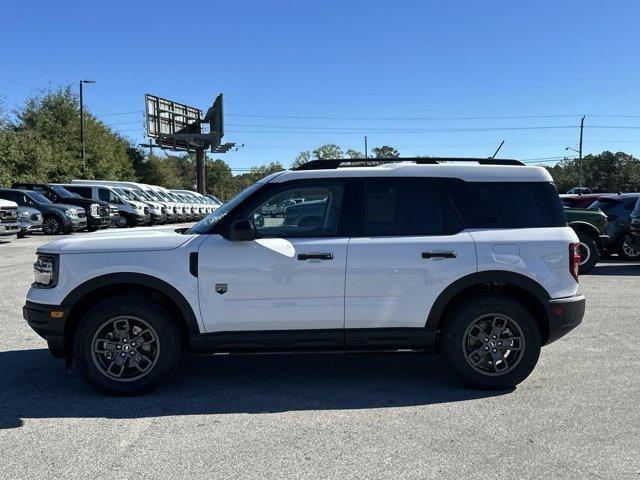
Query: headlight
x,y
45,271
71,212
94,209
23,214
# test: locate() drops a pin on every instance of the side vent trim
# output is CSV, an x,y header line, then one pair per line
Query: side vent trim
x,y
193,263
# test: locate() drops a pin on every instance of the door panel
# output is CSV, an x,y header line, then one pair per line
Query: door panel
x,y
267,287
390,284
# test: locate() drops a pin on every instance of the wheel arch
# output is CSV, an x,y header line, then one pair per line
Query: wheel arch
x,y
87,294
494,282
585,227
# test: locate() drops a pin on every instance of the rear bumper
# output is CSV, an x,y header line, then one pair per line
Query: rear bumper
x,y
564,315
48,321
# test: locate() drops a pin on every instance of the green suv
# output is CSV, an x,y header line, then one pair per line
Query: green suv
x,y
590,225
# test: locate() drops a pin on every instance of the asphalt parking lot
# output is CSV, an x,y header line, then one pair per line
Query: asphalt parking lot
x,y
329,416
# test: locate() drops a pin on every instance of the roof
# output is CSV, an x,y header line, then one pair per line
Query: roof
x,y
465,171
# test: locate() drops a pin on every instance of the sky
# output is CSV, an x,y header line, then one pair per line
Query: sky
x,y
438,78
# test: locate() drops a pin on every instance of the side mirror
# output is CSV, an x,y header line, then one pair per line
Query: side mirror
x,y
241,231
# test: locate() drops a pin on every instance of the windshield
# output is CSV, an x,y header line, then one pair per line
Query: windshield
x,y
123,193
63,192
36,197
138,195
212,219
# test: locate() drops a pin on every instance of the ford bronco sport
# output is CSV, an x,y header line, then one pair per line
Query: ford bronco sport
x,y
472,258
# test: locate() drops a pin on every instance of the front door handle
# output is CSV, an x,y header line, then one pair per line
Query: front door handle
x,y
439,255
315,256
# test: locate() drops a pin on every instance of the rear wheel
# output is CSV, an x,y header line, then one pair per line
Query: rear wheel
x,y
589,252
127,346
491,343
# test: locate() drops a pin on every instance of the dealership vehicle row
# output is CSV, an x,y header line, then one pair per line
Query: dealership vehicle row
x,y
63,208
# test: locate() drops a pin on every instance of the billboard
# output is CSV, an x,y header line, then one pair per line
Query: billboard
x,y
172,124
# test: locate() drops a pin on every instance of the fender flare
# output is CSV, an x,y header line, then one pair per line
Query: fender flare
x,y
498,277
585,226
140,279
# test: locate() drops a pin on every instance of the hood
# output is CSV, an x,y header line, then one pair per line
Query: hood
x,y
133,240
8,203
29,210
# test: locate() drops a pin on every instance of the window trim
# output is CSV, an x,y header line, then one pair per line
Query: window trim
x,y
271,189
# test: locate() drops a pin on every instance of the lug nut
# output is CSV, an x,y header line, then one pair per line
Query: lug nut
x,y
122,354
486,348
494,350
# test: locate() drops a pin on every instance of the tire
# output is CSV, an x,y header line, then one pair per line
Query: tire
x,y
627,252
22,234
51,225
460,349
589,252
159,356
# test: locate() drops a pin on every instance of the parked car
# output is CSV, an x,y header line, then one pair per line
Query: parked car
x,y
56,217
579,190
30,220
9,224
131,213
633,238
581,201
159,211
618,209
474,261
591,227
97,213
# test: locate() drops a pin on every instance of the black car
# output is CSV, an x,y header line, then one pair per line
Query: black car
x,y
57,218
633,239
96,211
618,209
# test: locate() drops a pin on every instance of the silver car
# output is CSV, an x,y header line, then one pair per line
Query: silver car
x,y
30,220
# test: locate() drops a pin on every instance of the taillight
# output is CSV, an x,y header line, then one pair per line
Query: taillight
x,y
574,259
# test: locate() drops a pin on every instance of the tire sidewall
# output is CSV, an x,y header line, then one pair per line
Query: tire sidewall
x,y
591,244
167,333
456,327
58,228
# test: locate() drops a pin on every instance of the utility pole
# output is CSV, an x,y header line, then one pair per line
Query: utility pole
x,y
82,156
366,153
200,171
580,153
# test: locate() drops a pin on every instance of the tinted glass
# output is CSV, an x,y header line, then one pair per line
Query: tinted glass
x,y
82,191
317,215
506,204
606,204
408,207
39,198
9,196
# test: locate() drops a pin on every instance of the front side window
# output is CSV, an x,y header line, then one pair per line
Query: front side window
x,y
316,214
407,207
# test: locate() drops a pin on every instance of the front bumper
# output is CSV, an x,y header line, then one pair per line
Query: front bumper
x,y
48,321
139,219
98,222
9,229
564,315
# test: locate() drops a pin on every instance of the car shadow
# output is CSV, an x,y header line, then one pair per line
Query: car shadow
x,y
35,385
616,269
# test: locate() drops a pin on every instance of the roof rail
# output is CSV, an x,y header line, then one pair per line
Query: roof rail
x,y
332,164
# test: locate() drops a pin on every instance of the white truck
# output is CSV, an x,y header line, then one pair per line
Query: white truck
x,y
9,223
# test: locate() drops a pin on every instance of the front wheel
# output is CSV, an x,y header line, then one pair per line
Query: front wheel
x,y
491,343
627,252
52,225
127,346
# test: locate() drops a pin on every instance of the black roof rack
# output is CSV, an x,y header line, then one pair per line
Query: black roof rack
x,y
370,162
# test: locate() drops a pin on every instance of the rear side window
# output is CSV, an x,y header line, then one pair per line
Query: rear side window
x,y
606,204
506,204
84,192
407,207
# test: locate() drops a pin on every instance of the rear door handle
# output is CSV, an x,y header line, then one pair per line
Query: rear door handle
x,y
315,256
439,255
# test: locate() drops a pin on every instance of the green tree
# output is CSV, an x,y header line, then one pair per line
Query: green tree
x,y
302,158
351,153
328,151
261,171
219,180
385,151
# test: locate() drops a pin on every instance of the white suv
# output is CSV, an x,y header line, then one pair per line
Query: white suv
x,y
471,258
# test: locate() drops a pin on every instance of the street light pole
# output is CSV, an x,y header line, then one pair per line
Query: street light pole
x,y
580,154
82,156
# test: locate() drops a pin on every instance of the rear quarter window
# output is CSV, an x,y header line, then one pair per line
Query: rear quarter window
x,y
506,204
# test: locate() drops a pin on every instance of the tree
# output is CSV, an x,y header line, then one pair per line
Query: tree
x,y
302,158
220,180
351,153
327,151
261,171
385,151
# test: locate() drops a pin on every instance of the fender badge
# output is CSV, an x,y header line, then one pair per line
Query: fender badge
x,y
221,288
